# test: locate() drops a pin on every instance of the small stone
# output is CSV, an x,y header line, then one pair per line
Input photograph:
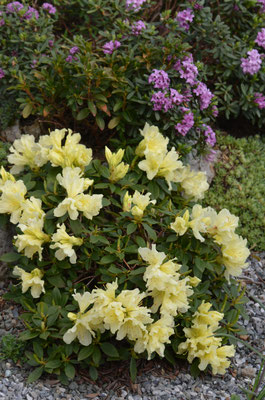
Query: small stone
x,y
249,372
7,373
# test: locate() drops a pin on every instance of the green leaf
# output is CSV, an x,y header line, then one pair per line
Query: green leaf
x,y
85,353
36,374
76,226
108,259
82,114
56,281
92,108
131,228
150,231
10,257
26,113
109,350
93,372
53,364
69,371
194,369
133,369
96,355
27,335
38,349
114,122
100,122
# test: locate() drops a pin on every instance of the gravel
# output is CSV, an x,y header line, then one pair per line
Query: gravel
x,y
157,384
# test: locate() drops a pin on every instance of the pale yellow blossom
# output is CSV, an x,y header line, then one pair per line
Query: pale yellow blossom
x,y
117,168
153,141
140,202
64,243
31,209
6,176
234,255
13,199
31,280
181,224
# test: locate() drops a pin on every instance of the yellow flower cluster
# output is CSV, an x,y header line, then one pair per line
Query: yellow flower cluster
x,y
123,315
163,282
25,152
139,202
71,179
163,163
202,343
117,168
221,226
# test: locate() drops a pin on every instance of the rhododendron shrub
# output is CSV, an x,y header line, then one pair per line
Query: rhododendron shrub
x,y
116,259
103,78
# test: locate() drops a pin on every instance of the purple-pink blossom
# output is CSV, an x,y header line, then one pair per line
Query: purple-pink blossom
x,y
74,50
69,58
176,97
2,22
187,69
252,63
210,135
49,7
51,43
205,95
160,79
211,156
215,111
138,27
260,40
166,100
109,47
2,73
184,18
14,6
259,100
134,5
30,13
186,124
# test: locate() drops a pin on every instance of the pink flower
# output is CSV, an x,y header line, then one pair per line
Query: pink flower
x,y
137,27
159,78
2,73
184,17
260,40
251,65
186,124
49,7
259,100
109,47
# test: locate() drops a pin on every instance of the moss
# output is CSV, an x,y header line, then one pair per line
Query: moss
x,y
239,185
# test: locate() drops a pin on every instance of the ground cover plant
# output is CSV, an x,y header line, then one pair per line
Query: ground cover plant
x,y
116,259
100,68
239,185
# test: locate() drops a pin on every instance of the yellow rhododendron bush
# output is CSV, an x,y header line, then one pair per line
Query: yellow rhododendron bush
x,y
117,260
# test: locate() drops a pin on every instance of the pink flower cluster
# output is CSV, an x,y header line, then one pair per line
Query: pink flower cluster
x,y
252,63
205,95
210,136
16,6
166,100
260,40
187,69
109,47
186,124
2,21
49,7
134,4
2,73
138,27
72,52
160,79
259,100
184,18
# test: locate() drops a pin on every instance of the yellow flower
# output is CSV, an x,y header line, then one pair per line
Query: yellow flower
x,y
234,255
140,202
117,168
65,243
6,176
224,226
161,276
153,141
193,183
26,152
68,205
194,281
169,165
201,220
181,224
72,154
71,179
151,164
151,256
205,317
13,199
32,238
82,329
155,338
31,209
89,205
31,280
127,202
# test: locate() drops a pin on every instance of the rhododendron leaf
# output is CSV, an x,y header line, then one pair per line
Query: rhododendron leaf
x,y
133,369
36,374
109,350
